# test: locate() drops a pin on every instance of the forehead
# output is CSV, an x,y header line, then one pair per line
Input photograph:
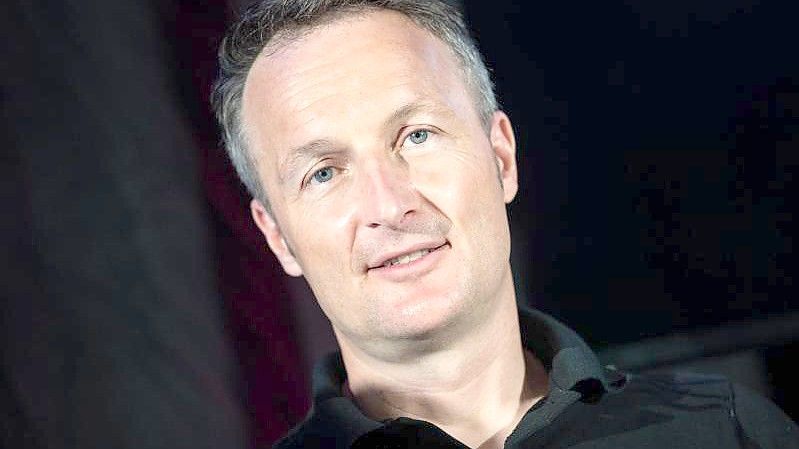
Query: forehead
x,y
356,69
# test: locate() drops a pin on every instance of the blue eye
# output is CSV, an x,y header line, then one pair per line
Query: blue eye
x,y
418,136
323,174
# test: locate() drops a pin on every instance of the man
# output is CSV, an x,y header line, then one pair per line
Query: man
x,y
380,166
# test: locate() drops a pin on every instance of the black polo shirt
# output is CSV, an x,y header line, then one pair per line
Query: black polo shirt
x,y
587,406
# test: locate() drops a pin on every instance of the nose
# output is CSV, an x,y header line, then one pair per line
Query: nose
x,y
389,197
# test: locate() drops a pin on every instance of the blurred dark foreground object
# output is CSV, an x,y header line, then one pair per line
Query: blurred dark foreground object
x,y
112,327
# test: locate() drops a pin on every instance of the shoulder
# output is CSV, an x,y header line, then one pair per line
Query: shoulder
x,y
678,389
699,410
762,421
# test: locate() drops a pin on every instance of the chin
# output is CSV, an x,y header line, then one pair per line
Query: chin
x,y
421,316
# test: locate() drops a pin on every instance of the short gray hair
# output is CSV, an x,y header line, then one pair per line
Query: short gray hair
x,y
269,20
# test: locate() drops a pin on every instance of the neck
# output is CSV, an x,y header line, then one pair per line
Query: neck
x,y
487,366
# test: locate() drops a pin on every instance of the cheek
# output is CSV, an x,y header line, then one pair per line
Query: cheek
x,y
458,179
466,188
321,238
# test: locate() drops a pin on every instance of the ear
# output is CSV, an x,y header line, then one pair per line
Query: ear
x,y
504,145
274,238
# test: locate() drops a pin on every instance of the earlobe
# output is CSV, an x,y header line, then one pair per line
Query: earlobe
x,y
274,238
503,143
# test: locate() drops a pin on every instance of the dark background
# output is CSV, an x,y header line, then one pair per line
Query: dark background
x,y
657,151
658,147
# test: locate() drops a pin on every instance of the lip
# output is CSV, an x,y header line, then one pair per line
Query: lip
x,y
379,260
412,269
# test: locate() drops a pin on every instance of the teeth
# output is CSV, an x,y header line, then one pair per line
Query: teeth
x,y
408,258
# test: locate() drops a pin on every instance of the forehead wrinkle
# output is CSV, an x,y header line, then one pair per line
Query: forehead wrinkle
x,y
317,75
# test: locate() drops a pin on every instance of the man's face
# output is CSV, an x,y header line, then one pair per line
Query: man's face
x,y
387,192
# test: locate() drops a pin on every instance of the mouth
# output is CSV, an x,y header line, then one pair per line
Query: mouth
x,y
408,258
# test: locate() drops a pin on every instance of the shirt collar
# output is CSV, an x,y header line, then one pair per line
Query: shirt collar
x,y
568,359
571,364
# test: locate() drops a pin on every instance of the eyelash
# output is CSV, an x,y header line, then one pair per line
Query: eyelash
x,y
312,174
405,137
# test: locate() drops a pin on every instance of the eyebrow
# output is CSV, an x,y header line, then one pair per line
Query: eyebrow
x,y
404,112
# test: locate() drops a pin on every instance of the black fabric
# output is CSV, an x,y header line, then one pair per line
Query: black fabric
x,y
588,406
407,433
